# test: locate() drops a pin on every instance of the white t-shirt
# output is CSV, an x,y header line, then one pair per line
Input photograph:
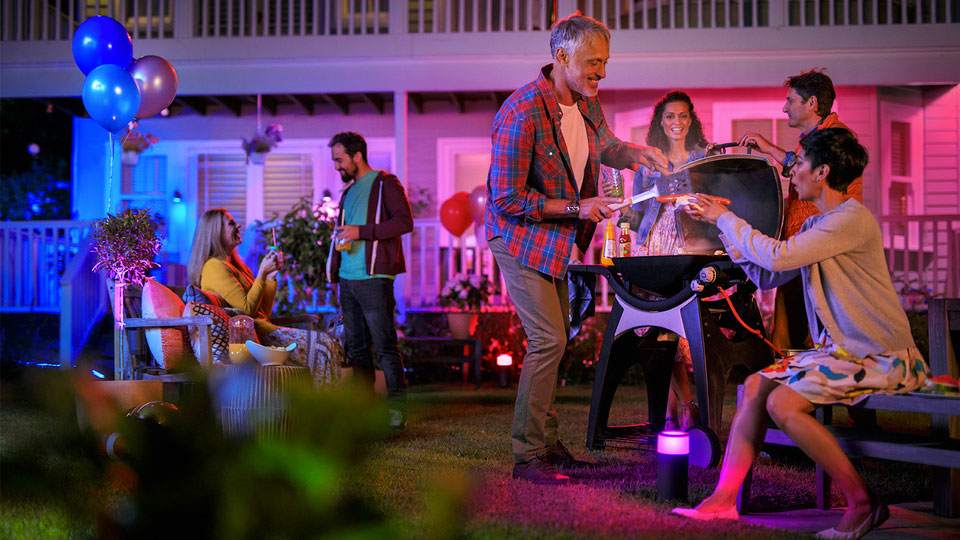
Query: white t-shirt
x,y
575,135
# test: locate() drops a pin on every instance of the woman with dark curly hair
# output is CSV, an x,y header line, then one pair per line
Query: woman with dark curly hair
x,y
676,130
678,133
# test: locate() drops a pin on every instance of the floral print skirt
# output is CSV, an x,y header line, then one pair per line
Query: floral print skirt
x,y
316,350
828,374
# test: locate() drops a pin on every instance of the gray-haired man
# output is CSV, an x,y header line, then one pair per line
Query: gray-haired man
x,y
549,139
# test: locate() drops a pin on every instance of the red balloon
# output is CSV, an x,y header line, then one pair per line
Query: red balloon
x,y
455,214
478,204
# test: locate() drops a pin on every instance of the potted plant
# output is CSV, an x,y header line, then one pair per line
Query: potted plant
x,y
261,143
466,293
304,236
132,142
421,201
125,245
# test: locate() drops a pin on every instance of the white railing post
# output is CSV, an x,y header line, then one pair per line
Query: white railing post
x,y
398,17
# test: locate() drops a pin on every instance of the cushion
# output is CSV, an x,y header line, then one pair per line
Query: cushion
x,y
200,296
169,346
219,336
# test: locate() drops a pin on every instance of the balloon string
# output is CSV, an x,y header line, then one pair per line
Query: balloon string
x,y
113,150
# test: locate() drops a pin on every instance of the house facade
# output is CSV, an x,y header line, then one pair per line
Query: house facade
x,y
423,79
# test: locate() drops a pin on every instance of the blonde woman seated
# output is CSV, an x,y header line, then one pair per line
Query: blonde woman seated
x,y
216,267
865,344
676,130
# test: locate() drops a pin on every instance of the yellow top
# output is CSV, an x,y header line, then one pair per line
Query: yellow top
x,y
254,297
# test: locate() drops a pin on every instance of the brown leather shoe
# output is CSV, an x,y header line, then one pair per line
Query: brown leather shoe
x,y
538,471
561,458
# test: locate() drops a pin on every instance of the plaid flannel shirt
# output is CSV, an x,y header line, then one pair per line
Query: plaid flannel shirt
x,y
795,211
530,164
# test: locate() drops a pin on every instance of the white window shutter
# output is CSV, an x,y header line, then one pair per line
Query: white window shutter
x,y
222,183
286,178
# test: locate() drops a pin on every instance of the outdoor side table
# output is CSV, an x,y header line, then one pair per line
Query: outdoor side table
x,y
252,399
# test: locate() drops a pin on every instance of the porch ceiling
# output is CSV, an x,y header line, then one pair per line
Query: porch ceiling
x,y
310,104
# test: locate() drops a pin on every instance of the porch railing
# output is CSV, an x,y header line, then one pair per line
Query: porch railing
x,y
35,255
83,302
52,20
923,256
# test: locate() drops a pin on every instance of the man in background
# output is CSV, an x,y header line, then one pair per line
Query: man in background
x,y
810,97
367,256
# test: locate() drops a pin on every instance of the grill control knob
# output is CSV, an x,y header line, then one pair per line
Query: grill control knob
x,y
709,274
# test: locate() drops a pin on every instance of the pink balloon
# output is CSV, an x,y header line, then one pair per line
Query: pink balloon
x,y
158,84
478,204
455,214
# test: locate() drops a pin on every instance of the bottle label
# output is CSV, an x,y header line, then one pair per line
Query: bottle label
x,y
609,251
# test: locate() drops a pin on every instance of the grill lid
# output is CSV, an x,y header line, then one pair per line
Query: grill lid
x,y
752,185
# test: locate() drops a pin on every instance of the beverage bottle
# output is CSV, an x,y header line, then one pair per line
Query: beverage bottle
x,y
623,243
609,245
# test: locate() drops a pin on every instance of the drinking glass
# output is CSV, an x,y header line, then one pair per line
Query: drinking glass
x,y
611,182
239,330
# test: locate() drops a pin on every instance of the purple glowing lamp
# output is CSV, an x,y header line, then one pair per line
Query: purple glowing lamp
x,y
673,451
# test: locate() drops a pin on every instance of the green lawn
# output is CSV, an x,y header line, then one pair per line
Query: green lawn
x,y
446,476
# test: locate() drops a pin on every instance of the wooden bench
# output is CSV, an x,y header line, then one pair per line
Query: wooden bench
x,y
940,448
450,351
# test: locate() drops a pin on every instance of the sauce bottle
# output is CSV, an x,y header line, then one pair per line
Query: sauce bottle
x,y
623,243
609,245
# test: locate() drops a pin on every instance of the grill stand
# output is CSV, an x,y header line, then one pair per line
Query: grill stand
x,y
714,356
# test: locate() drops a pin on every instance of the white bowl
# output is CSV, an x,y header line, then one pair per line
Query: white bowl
x,y
270,356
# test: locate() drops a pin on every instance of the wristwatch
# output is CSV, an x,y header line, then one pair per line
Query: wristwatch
x,y
573,208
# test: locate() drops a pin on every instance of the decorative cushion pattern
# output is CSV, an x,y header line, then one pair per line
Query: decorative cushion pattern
x,y
200,296
169,346
219,336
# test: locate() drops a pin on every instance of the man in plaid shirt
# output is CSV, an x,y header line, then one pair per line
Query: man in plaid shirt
x,y
549,139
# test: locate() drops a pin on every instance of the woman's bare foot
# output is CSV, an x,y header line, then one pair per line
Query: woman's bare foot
x,y
855,514
716,503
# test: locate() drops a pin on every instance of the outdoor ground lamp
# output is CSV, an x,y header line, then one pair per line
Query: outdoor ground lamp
x,y
504,363
673,450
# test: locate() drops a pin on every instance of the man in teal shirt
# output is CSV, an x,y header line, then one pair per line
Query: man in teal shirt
x,y
374,214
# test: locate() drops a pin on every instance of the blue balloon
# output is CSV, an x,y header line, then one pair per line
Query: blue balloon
x,y
99,41
111,96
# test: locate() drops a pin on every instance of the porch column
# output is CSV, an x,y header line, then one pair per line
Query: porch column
x,y
183,19
777,14
400,104
398,18
254,192
566,7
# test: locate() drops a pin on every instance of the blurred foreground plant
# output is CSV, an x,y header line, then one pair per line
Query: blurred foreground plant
x,y
178,476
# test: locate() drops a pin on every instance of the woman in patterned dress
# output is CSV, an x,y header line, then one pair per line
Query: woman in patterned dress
x,y
216,267
676,130
864,345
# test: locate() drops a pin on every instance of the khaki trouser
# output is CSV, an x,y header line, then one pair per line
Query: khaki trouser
x,y
543,304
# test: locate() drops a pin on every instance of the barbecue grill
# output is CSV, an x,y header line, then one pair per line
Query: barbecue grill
x,y
685,289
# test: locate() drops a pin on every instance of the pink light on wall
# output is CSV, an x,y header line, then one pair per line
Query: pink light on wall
x,y
504,360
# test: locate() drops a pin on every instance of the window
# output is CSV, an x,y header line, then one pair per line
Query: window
x,y
145,186
222,183
899,148
286,178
